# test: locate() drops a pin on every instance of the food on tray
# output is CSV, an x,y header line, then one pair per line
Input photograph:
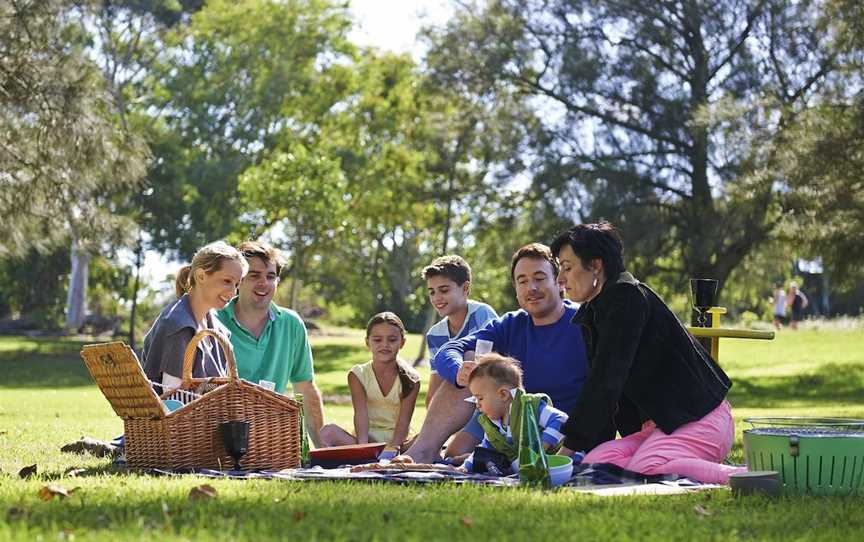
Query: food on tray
x,y
405,466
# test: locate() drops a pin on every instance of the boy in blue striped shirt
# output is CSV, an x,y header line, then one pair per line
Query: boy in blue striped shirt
x,y
448,279
493,384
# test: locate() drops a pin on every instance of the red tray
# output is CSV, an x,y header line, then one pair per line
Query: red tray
x,y
350,452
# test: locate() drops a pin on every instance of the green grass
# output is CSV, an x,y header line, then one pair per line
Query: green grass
x,y
47,399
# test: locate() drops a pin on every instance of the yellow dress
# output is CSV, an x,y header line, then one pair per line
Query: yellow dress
x,y
383,411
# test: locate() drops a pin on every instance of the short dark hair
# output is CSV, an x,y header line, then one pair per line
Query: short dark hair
x,y
538,251
267,253
592,241
505,371
451,266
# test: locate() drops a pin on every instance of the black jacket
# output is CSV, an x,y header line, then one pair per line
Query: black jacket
x,y
642,364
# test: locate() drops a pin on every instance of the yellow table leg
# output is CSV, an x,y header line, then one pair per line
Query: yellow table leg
x,y
715,313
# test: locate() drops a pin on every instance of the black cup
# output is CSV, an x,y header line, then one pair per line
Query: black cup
x,y
703,293
235,436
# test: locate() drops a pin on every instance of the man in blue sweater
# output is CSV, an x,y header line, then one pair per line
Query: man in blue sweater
x,y
539,335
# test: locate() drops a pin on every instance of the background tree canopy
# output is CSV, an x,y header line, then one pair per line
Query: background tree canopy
x,y
724,138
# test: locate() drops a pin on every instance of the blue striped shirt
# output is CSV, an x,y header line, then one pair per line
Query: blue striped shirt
x,y
478,315
549,419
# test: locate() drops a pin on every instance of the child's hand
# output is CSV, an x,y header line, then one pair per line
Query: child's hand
x,y
462,469
402,459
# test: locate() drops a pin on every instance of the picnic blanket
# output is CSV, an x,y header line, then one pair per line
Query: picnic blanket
x,y
608,480
344,473
602,479
598,479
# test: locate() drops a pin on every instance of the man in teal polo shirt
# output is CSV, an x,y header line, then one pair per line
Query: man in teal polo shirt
x,y
270,342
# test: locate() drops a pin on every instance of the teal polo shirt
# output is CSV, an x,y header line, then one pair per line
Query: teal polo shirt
x,y
282,354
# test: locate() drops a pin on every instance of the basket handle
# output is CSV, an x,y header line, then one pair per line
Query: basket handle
x,y
189,358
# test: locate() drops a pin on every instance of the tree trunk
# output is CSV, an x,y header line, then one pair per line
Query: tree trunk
x,y
133,313
430,313
76,299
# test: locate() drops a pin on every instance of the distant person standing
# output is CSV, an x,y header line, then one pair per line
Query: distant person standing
x,y
779,301
798,302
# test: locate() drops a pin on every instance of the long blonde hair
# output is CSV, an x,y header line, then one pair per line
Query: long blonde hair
x,y
209,258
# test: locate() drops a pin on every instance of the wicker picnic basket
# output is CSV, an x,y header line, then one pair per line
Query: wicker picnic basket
x,y
189,437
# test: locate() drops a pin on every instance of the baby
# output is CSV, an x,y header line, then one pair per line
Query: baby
x,y
494,383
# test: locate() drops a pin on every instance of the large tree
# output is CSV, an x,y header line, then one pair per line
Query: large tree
x,y
657,114
823,158
238,75
63,155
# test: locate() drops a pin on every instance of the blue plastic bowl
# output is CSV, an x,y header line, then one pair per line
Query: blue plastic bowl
x,y
560,469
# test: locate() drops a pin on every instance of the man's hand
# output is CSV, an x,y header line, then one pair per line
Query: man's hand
x,y
464,372
457,460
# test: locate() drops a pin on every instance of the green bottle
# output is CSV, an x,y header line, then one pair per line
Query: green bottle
x,y
304,440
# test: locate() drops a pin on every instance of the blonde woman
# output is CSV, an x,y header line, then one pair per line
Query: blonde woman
x,y
202,287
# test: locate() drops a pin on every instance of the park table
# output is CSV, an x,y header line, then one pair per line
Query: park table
x,y
715,332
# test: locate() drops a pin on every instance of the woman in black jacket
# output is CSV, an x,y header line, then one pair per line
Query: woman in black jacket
x,y
648,378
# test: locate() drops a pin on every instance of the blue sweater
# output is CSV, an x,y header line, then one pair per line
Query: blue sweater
x,y
552,356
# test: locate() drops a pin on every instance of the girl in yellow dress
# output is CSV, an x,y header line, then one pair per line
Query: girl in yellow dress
x,y
383,390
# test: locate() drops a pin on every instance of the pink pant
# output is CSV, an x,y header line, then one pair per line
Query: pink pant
x,y
694,450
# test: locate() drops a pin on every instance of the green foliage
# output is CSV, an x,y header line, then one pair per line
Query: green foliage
x,y
63,154
824,170
635,100
721,137
233,79
34,287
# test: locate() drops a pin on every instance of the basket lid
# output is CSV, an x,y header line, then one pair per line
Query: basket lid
x,y
118,374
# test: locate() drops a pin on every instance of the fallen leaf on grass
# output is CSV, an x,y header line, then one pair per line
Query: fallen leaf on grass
x,y
467,521
298,515
52,490
205,491
27,471
701,510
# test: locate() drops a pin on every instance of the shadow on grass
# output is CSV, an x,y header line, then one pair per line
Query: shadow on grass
x,y
88,472
56,363
338,357
829,385
44,364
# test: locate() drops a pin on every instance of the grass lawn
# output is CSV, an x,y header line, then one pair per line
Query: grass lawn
x,y
47,399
